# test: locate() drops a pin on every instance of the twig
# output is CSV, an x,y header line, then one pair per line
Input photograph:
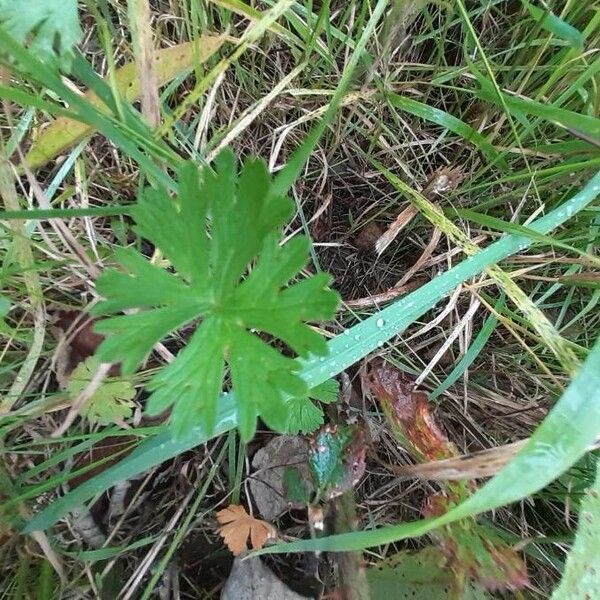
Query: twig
x,y
141,29
351,571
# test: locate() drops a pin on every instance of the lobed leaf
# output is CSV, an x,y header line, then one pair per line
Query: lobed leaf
x,y
50,28
112,402
236,283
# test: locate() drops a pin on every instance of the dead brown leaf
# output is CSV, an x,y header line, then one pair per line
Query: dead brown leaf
x,y
238,526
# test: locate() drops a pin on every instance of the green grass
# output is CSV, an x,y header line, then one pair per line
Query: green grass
x,y
362,102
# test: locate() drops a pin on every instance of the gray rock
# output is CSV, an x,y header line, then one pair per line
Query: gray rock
x,y
251,580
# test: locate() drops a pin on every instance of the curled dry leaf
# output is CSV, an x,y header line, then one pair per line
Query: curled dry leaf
x,y
238,526
474,465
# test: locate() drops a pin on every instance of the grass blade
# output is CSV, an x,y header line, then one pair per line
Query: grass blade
x,y
470,355
556,26
440,117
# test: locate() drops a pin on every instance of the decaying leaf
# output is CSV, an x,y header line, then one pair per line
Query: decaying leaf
x,y
238,526
112,402
270,463
419,575
337,459
471,551
407,411
368,236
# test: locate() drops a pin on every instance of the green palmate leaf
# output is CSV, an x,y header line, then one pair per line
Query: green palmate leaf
x,y
50,28
305,417
236,281
113,400
326,392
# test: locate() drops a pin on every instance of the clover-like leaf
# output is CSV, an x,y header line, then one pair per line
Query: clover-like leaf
x,y
49,28
230,274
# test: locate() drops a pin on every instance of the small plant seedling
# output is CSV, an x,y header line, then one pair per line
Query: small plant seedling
x,y
229,274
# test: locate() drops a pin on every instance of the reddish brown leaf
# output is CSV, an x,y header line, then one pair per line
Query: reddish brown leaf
x,y
471,550
368,236
238,526
407,411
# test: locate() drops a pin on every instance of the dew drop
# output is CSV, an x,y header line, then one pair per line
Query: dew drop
x,y
380,323
346,332
322,359
357,337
